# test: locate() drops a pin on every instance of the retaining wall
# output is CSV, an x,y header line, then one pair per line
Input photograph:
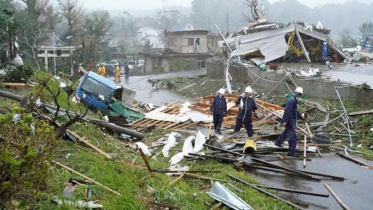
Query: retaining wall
x,y
314,87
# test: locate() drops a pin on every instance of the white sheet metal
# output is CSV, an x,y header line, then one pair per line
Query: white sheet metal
x,y
196,116
271,48
224,195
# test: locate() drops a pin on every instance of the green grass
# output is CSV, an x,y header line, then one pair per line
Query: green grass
x,y
187,193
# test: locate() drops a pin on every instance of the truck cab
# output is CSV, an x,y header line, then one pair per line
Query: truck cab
x,y
96,91
102,94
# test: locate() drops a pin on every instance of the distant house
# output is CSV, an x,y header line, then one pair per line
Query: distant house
x,y
146,31
192,44
150,34
192,41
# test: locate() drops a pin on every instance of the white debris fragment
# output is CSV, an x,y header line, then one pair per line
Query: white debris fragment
x,y
143,147
32,127
38,102
200,140
16,117
171,142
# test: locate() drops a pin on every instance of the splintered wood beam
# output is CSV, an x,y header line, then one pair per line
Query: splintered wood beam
x,y
93,181
343,205
89,144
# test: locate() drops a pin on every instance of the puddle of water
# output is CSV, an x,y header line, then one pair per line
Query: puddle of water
x,y
355,192
145,92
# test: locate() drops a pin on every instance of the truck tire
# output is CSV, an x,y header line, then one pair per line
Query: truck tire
x,y
321,139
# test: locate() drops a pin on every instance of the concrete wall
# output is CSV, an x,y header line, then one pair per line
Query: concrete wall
x,y
179,43
316,88
166,64
148,64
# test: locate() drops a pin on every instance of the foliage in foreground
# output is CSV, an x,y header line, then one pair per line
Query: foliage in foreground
x,y
26,147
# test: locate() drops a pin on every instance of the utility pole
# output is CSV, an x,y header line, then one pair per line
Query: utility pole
x,y
54,52
227,23
209,24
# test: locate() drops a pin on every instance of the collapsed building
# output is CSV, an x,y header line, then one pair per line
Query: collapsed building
x,y
265,41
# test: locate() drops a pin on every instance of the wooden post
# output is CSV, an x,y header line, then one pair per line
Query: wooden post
x,y
305,151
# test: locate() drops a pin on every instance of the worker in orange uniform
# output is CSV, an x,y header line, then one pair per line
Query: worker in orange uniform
x,y
117,73
101,70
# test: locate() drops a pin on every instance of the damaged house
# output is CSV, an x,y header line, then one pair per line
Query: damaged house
x,y
264,41
189,44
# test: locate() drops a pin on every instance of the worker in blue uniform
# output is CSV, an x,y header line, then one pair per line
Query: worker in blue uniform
x,y
289,120
324,53
218,109
247,109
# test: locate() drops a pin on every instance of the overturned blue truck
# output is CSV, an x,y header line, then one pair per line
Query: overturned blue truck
x,y
101,94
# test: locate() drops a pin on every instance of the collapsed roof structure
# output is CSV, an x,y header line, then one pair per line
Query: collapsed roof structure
x,y
264,41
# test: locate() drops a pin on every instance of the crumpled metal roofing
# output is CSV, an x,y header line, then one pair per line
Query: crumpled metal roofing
x,y
225,196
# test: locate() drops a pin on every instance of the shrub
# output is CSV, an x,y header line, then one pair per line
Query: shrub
x,y
19,74
26,147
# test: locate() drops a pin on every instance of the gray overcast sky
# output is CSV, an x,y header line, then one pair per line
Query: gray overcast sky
x,y
154,4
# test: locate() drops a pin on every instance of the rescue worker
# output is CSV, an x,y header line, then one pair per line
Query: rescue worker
x,y
247,109
358,47
289,120
117,73
218,109
324,53
126,70
101,70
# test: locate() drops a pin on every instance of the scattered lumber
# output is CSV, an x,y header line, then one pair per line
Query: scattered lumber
x,y
265,192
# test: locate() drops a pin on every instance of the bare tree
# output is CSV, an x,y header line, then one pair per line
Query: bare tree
x,y
366,29
34,26
255,14
73,12
73,117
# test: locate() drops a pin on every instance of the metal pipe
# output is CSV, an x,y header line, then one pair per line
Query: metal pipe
x,y
262,161
89,119
293,191
348,119
265,192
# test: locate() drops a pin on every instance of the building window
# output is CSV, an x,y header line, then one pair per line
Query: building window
x,y
172,42
191,42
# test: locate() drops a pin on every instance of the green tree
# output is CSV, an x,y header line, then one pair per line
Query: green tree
x,y
8,29
147,45
72,11
366,29
93,36
26,148
346,39
168,19
36,24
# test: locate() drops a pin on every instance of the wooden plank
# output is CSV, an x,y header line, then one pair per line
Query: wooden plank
x,y
93,181
343,205
17,84
89,144
361,112
283,159
355,160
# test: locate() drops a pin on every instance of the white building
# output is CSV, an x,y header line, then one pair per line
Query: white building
x,y
150,34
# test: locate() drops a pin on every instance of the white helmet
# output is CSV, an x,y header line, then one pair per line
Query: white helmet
x,y
221,91
299,90
117,64
324,43
248,90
